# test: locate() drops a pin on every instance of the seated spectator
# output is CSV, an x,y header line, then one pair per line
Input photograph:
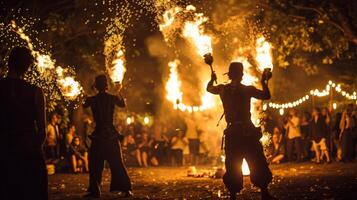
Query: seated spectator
x,y
69,136
318,128
79,156
131,151
178,144
145,147
276,151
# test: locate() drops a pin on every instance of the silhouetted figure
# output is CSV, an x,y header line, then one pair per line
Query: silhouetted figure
x,y
105,142
22,131
241,137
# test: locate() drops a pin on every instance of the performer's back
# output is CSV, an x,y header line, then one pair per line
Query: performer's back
x,y
103,106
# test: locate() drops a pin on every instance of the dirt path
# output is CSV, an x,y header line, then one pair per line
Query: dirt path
x,y
291,181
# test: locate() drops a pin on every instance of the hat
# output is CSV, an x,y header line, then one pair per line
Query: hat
x,y
235,68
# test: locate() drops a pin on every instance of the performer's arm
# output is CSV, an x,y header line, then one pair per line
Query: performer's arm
x,y
261,94
210,86
40,103
119,100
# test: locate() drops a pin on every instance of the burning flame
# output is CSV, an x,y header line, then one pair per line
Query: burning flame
x,y
168,17
173,85
194,32
117,72
69,87
245,168
263,54
174,93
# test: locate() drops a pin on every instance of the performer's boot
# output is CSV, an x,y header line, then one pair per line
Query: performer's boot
x,y
233,195
128,193
266,196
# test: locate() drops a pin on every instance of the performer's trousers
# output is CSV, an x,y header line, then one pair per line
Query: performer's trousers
x,y
238,147
109,150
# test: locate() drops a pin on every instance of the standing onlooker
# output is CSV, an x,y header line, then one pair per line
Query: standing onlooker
x,y
178,145
318,128
53,138
347,126
79,156
305,135
22,130
336,132
193,140
294,141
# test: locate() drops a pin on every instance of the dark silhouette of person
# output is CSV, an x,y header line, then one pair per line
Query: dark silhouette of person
x,y
105,142
241,137
22,131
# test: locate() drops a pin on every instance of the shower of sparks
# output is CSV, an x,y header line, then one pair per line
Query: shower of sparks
x,y
46,66
114,51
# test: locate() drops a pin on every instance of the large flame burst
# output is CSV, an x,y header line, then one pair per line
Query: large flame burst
x,y
193,31
114,52
68,86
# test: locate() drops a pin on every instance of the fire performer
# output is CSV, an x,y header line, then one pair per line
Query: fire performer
x,y
105,142
241,137
22,130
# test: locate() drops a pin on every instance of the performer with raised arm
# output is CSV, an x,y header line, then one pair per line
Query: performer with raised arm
x,y
241,137
105,142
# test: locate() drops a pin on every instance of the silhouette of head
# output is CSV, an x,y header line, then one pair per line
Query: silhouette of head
x,y
235,71
101,83
20,59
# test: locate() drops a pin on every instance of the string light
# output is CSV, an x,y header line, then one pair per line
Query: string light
x,y
330,86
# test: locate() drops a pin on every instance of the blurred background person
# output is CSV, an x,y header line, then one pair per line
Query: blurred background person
x,y
347,126
293,135
276,150
78,156
318,128
52,139
178,144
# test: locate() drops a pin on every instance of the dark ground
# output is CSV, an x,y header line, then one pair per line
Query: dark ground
x,y
291,181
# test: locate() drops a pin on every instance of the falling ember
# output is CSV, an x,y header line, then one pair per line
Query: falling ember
x,y
194,32
245,168
117,72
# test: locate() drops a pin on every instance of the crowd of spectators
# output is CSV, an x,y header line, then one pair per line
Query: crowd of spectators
x,y
298,136
319,136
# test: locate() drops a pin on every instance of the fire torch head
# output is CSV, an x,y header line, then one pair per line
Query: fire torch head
x,y
101,83
235,71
